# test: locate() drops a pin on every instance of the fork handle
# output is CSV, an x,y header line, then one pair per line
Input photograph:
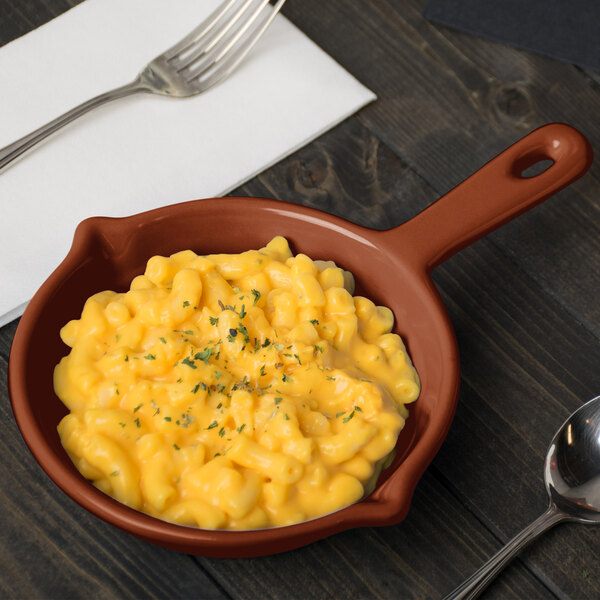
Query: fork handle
x,y
16,149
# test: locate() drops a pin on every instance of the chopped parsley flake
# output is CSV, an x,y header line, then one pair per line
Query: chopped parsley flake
x,y
346,419
137,421
285,378
279,347
244,332
221,432
122,424
285,416
212,425
337,415
189,363
329,378
138,407
162,339
297,358
278,400
262,371
114,473
150,357
243,312
185,304
176,447
241,428
314,321
168,419
256,295
214,320
186,421
204,355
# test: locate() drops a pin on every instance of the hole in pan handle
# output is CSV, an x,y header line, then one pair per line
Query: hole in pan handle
x,y
498,192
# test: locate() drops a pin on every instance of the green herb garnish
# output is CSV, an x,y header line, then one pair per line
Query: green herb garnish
x,y
204,355
346,419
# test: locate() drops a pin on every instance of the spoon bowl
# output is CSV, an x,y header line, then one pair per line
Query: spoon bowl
x,y
572,468
572,477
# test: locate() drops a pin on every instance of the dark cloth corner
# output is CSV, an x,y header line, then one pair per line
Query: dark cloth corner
x,y
563,29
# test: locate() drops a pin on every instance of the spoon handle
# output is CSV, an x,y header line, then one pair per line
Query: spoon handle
x,y
474,585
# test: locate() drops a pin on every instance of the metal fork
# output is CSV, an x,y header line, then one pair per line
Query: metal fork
x,y
197,62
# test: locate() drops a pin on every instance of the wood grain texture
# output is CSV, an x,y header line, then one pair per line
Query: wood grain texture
x,y
523,302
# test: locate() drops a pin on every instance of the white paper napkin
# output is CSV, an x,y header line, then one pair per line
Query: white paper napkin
x,y
144,151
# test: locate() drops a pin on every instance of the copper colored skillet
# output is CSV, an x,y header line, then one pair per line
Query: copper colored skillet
x,y
391,267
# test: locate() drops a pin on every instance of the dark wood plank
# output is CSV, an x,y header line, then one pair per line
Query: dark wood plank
x,y
448,102
390,562
522,376
18,18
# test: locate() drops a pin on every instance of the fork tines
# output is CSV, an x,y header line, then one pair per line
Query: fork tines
x,y
226,36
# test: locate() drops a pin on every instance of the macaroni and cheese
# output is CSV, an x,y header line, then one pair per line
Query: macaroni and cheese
x,y
234,391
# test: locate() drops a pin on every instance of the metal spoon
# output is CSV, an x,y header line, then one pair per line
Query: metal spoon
x,y
572,477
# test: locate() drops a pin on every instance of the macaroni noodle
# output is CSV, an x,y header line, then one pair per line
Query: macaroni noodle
x,y
234,391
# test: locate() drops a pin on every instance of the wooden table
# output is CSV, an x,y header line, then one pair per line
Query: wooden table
x,y
524,303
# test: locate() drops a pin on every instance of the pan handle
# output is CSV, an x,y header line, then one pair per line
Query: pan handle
x,y
493,195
